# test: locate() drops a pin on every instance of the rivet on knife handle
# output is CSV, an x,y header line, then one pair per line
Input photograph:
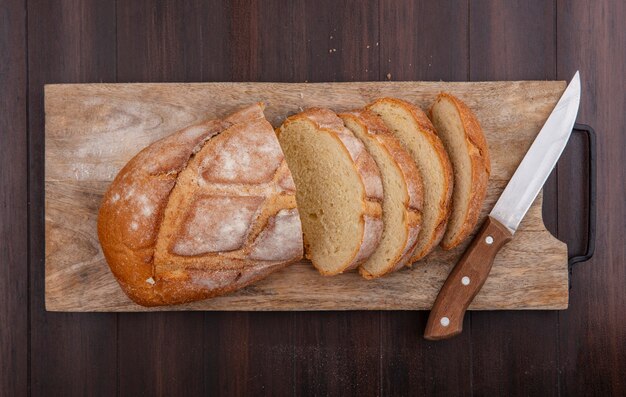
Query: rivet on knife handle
x,y
465,280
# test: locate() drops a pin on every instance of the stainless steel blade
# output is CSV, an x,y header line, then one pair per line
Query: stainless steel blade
x,y
540,159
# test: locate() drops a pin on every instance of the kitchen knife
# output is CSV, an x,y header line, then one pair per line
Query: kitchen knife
x,y
469,274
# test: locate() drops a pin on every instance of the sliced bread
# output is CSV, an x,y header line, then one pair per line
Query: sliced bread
x,y
338,190
402,189
410,125
465,142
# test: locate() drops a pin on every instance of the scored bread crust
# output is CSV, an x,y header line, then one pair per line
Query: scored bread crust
x,y
427,130
379,135
327,121
481,167
133,211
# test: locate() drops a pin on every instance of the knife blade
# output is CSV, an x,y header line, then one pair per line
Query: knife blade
x,y
469,274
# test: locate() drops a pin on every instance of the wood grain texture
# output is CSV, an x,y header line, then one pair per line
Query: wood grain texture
x,y
405,54
465,280
267,41
149,345
592,335
344,344
153,45
104,125
513,32
577,352
249,353
173,41
520,359
411,365
13,201
70,354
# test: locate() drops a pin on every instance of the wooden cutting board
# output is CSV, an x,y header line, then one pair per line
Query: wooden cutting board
x,y
92,130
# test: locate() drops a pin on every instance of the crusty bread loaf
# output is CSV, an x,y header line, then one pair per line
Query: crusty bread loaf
x,y
204,211
415,132
339,190
402,193
463,138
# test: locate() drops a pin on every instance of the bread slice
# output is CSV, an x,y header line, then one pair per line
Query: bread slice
x,y
415,132
339,190
402,193
202,212
465,142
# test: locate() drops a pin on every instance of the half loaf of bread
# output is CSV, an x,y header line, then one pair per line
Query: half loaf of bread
x,y
465,142
415,132
339,190
402,193
202,212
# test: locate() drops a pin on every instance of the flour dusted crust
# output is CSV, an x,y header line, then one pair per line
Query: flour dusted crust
x,y
480,168
202,212
371,221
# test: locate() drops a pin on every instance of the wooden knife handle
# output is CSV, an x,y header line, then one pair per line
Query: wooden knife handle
x,y
465,280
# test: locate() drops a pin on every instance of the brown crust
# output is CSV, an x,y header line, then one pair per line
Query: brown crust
x,y
134,209
428,131
382,137
327,121
481,166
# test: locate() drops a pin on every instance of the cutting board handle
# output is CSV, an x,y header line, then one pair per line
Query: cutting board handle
x,y
465,280
591,197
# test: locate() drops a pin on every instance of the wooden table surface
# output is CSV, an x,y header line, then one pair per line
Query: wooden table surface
x,y
580,351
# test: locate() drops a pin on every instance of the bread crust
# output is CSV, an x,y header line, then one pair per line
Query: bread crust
x,y
412,184
428,131
481,166
371,226
135,207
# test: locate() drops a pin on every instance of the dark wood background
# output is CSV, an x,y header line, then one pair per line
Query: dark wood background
x,y
580,351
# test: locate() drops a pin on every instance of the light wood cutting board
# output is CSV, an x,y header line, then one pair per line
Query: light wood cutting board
x,y
92,130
